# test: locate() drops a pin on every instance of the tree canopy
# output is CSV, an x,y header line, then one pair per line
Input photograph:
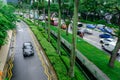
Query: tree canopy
x,y
7,19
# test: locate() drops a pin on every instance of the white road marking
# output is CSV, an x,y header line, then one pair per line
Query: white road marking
x,y
20,30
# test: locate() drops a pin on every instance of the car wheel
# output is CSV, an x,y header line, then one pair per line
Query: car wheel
x,y
33,54
24,55
101,42
118,54
102,47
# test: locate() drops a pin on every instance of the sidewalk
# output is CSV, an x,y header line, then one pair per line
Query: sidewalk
x,y
4,53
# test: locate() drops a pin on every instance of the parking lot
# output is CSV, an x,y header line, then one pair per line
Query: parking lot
x,y
93,38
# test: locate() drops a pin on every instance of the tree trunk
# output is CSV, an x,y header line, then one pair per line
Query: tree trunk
x,y
114,53
29,13
34,12
59,27
117,47
49,20
86,17
73,52
43,10
38,13
67,30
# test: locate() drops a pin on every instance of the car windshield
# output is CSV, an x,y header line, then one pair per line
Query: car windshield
x,y
28,47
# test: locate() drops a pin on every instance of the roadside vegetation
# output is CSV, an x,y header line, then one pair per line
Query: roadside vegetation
x,y
95,55
7,21
50,50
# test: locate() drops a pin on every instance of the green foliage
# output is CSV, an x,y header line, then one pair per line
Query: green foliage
x,y
34,5
7,19
53,7
95,22
59,63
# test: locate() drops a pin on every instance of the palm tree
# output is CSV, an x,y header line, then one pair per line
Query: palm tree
x,y
33,10
59,26
73,52
49,20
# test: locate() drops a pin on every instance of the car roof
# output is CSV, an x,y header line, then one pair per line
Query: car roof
x,y
108,38
27,43
113,43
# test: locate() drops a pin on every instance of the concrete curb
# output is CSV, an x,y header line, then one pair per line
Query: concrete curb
x,y
4,56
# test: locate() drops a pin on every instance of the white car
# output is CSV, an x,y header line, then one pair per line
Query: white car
x,y
106,40
99,26
88,31
110,47
42,17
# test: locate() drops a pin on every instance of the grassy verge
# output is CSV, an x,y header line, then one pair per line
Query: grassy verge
x,y
60,63
95,55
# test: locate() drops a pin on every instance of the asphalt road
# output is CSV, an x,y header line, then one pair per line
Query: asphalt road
x,y
28,68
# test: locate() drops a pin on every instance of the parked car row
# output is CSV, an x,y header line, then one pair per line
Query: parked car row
x,y
104,28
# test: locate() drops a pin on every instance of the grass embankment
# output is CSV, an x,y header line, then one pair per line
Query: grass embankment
x,y
95,55
60,63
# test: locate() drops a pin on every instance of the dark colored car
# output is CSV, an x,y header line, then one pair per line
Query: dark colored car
x,y
28,49
105,36
80,25
106,29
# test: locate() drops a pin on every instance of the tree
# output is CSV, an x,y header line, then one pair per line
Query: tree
x,y
93,9
49,20
67,11
7,21
59,27
117,33
73,52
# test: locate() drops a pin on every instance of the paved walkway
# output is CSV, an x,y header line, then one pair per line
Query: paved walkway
x,y
29,68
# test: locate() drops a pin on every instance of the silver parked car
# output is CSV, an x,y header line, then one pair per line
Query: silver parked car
x,y
106,40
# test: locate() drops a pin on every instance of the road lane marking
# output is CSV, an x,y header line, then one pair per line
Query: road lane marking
x,y
12,52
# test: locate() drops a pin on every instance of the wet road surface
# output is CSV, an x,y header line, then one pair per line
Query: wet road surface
x,y
26,68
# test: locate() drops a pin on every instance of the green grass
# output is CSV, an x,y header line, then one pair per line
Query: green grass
x,y
95,55
58,62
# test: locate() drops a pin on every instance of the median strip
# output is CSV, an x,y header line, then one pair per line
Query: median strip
x,y
42,58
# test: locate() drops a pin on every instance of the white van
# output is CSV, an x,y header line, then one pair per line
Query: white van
x,y
110,46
